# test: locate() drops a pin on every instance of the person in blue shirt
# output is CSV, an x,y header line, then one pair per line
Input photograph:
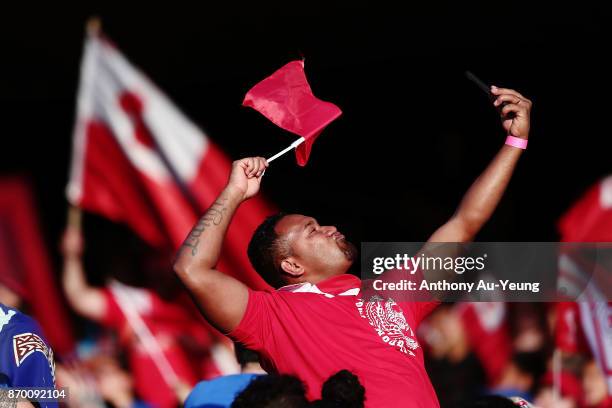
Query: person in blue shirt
x,y
26,359
220,392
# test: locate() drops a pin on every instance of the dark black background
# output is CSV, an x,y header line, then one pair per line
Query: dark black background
x,y
414,133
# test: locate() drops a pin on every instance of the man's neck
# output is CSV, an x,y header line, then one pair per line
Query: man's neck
x,y
328,274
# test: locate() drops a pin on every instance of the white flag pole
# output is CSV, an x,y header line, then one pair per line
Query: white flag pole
x,y
293,146
150,343
557,366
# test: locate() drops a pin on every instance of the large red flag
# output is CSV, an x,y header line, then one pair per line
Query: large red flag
x,y
590,320
25,267
137,159
590,218
286,99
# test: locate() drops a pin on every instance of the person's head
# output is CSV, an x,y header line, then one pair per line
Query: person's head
x,y
342,389
528,326
445,333
294,248
594,385
112,380
522,371
9,297
273,391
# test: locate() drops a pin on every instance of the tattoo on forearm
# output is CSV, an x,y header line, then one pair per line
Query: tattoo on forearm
x,y
213,216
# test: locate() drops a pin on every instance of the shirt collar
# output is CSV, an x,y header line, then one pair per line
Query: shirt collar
x,y
341,285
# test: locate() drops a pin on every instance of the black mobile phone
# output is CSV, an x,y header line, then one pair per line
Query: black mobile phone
x,y
486,89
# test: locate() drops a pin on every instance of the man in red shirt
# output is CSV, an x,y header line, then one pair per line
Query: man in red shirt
x,y
316,324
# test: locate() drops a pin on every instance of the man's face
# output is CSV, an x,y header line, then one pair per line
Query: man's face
x,y
321,250
9,297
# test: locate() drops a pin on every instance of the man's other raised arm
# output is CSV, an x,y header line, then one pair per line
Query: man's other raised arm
x,y
480,201
222,300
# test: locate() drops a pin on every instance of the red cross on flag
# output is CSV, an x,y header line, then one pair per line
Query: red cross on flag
x,y
138,160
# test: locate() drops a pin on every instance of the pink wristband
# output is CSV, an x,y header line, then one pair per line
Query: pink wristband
x,y
516,142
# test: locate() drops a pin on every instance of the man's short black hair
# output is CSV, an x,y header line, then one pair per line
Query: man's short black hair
x,y
265,249
342,389
273,391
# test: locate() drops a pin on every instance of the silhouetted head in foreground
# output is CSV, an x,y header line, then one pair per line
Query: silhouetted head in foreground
x,y
273,391
342,389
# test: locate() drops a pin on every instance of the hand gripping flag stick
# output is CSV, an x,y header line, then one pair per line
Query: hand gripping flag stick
x,y
294,145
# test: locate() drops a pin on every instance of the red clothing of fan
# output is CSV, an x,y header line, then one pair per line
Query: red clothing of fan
x,y
169,322
314,331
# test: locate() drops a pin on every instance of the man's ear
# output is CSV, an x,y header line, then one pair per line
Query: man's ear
x,y
291,267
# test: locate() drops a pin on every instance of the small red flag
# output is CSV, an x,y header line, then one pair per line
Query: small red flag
x,y
287,100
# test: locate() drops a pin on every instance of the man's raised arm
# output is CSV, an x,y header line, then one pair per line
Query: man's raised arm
x,y
221,298
480,201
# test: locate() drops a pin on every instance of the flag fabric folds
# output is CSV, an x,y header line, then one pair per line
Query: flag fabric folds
x,y
286,99
138,160
487,320
25,267
590,218
588,322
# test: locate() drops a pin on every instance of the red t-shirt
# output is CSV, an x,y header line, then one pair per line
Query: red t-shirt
x,y
314,331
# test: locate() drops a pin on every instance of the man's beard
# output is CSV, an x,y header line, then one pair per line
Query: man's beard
x,y
348,249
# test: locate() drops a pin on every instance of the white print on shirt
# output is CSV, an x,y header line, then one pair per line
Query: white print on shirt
x,y
25,344
386,317
390,324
